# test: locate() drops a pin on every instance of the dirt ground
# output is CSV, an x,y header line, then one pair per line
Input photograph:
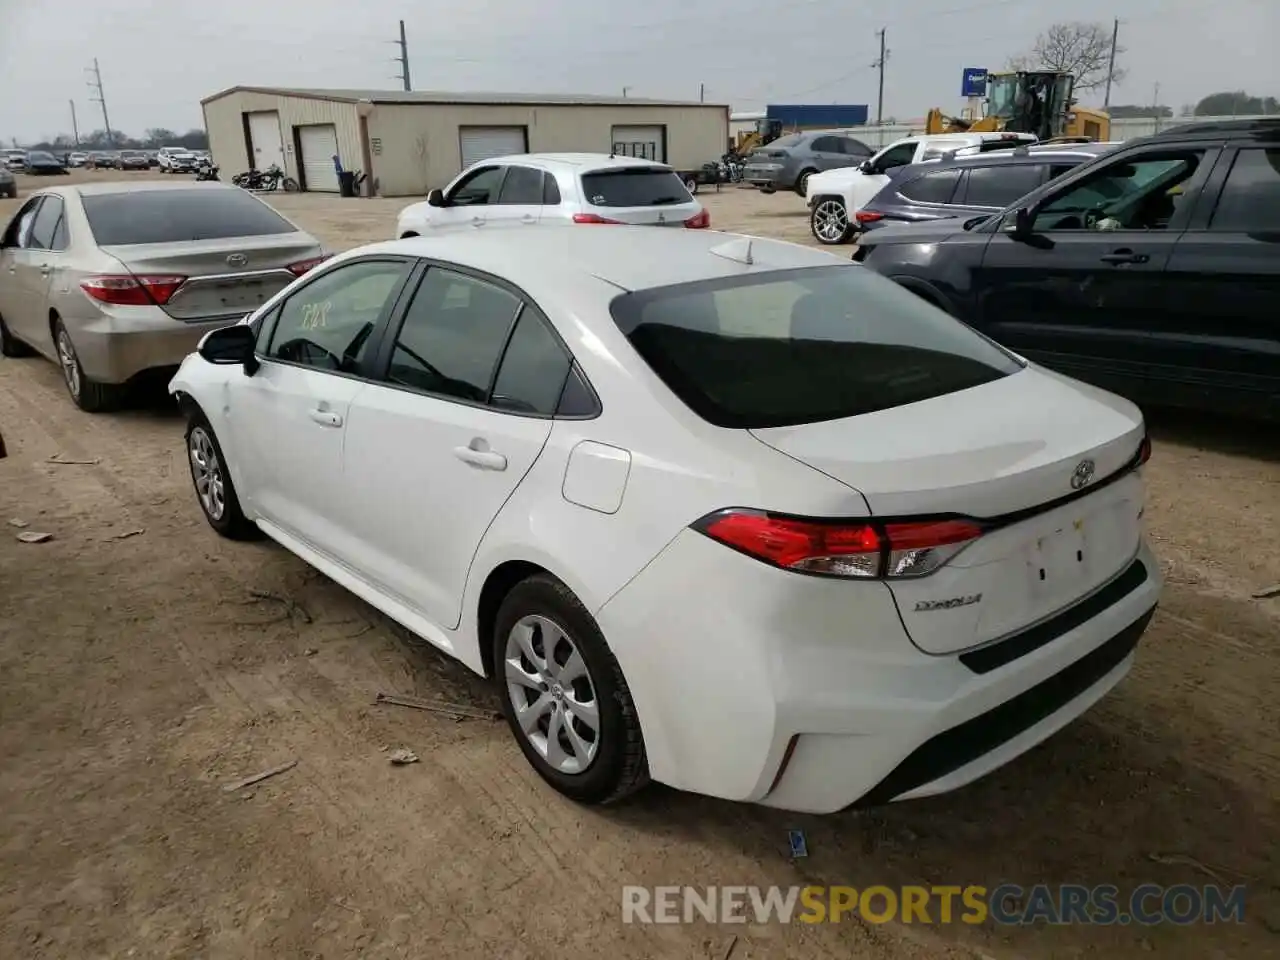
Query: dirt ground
x,y
145,664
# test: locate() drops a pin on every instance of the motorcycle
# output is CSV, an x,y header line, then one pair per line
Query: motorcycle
x,y
207,171
268,180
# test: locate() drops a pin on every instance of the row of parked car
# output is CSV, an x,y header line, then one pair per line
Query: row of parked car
x,y
166,159
696,501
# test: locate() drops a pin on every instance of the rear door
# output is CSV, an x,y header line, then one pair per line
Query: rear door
x,y
828,153
41,263
1221,342
15,260
1085,293
434,449
653,196
520,199
222,251
289,420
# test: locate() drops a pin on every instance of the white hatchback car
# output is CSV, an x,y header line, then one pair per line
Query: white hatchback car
x,y
733,514
584,188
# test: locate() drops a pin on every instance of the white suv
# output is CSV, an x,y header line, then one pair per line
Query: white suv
x,y
834,197
558,187
176,160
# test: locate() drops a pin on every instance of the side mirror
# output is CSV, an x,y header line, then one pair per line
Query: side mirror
x,y
1020,227
435,198
867,166
231,345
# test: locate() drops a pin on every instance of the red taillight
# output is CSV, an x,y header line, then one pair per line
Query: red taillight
x,y
868,216
304,266
1144,450
592,218
842,549
699,221
127,290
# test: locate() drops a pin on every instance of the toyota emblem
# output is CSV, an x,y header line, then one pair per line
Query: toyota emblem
x,y
237,260
1082,475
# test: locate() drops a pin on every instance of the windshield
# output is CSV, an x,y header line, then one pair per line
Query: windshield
x,y
40,156
801,346
1002,95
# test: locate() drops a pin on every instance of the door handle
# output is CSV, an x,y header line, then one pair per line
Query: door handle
x,y
483,457
1125,256
528,218
45,270
326,418
477,221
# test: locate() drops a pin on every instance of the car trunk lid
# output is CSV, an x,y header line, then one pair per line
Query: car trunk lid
x,y
224,277
1013,454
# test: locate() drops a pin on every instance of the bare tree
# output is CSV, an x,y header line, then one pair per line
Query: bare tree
x,y
1080,49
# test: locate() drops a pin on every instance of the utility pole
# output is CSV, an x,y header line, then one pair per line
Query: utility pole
x,y
879,64
101,99
75,127
1155,106
624,91
702,93
1111,67
403,59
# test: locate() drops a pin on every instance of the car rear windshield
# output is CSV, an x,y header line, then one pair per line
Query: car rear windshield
x,y
802,346
633,188
166,216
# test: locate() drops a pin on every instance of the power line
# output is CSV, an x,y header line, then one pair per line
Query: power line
x,y
403,59
100,99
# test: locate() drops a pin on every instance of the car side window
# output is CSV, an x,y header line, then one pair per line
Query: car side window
x,y
534,368
935,187
550,191
1250,199
453,335
20,227
826,145
44,229
478,189
523,185
854,148
897,156
1141,192
328,323
998,186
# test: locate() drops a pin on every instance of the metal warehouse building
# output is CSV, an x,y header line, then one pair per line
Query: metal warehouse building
x,y
413,141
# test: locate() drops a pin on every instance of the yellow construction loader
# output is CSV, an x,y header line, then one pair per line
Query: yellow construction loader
x,y
1029,101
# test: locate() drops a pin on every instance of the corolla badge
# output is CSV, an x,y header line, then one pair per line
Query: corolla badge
x,y
925,606
1082,475
237,260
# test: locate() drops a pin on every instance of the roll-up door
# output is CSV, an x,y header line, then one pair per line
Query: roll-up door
x,y
481,143
647,142
318,145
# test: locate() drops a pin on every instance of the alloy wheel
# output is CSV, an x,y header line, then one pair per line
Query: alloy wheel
x,y
830,221
70,365
206,471
552,693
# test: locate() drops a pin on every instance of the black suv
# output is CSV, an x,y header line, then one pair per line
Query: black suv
x,y
1153,271
971,186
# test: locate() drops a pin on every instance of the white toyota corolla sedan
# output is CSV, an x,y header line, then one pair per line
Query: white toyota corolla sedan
x,y
727,513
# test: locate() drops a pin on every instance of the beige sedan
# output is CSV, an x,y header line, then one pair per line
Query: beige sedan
x,y
113,280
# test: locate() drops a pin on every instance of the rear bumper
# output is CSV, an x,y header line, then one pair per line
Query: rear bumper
x,y
115,348
806,694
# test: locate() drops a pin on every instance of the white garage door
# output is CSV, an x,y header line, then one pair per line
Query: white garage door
x,y
637,141
319,144
481,143
264,134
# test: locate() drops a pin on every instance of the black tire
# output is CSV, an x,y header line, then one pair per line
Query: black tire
x,y
89,395
10,346
803,180
231,521
11,191
768,189
691,184
619,767
291,185
829,221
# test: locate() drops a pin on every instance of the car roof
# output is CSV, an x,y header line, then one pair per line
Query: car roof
x,y
551,258
576,161
1265,128
135,186
1009,158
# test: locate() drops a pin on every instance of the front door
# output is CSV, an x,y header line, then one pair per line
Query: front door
x,y
1083,292
435,452
471,199
520,199
290,417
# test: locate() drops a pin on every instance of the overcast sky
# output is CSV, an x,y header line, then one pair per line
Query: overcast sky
x,y
158,59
